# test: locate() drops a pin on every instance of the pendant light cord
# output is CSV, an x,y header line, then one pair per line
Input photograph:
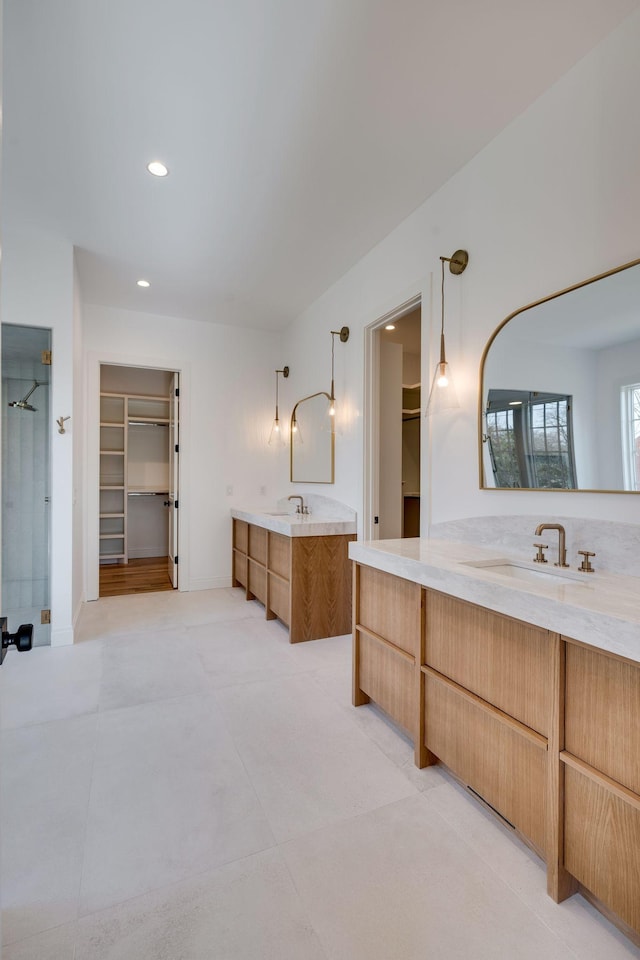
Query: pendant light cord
x,y
442,354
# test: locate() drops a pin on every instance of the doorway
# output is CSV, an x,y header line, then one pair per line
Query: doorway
x,y
392,433
138,480
26,479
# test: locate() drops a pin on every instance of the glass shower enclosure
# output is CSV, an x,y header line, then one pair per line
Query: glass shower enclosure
x,y
24,596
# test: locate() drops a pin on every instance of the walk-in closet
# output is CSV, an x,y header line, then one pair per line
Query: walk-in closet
x,y
139,449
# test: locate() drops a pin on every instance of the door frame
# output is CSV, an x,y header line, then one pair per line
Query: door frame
x,y
371,445
91,498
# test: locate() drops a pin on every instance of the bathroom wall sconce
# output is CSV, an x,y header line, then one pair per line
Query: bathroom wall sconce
x,y
443,395
343,333
277,435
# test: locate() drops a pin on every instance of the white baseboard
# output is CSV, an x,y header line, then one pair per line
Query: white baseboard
x,y
211,583
62,637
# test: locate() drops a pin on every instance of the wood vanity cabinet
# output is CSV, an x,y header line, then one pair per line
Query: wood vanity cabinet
x,y
303,581
541,727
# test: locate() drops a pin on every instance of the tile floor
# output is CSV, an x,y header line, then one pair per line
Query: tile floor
x,y
183,784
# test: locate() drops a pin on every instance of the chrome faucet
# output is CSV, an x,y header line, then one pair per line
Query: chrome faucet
x,y
562,550
300,507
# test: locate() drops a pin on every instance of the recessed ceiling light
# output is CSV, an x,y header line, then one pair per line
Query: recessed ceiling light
x,y
390,326
143,283
515,403
157,169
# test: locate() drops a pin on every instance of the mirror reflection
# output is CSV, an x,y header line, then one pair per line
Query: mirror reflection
x,y
312,440
560,391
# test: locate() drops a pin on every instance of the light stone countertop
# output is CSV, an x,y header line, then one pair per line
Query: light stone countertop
x,y
599,609
296,525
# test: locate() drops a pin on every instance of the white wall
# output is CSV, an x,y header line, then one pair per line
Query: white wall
x,y
551,201
37,290
227,399
74,428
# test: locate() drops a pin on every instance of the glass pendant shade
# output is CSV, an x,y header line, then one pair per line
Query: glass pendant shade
x,y
276,436
443,394
296,432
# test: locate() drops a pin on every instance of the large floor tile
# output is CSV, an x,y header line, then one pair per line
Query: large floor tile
x,y
170,799
146,667
50,683
56,944
310,764
574,921
244,911
399,882
234,652
46,777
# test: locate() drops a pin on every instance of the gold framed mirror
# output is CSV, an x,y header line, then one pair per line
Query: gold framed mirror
x,y
312,453
559,393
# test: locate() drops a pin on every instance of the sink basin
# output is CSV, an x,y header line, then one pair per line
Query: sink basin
x,y
524,572
277,513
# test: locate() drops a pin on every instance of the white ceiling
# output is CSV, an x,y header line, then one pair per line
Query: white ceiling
x,y
298,132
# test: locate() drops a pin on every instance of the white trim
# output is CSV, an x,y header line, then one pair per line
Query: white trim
x,y
92,461
371,429
210,583
62,637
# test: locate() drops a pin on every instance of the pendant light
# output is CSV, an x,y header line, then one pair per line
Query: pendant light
x,y
276,437
343,333
443,395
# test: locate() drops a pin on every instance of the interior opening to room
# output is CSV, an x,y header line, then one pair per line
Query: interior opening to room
x,y
395,413
138,479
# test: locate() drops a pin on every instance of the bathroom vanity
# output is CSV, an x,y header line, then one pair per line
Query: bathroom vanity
x,y
298,567
526,685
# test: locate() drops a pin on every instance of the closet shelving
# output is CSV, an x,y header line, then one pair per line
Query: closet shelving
x,y
410,401
134,462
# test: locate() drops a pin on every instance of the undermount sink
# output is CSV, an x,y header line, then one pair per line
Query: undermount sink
x,y
522,571
277,513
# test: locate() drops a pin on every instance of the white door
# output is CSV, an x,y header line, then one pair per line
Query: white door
x,y
390,505
173,501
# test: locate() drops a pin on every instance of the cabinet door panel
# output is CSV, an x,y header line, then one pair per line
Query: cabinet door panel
x,y
504,661
241,535
389,679
258,544
507,769
240,567
602,707
390,607
280,555
602,844
258,581
279,599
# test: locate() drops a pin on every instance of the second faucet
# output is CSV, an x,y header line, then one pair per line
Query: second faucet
x,y
562,550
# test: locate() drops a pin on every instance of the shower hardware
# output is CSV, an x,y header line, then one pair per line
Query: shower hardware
x,y
60,421
22,404
22,638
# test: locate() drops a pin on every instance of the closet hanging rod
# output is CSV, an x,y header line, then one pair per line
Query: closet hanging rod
x,y
148,423
146,493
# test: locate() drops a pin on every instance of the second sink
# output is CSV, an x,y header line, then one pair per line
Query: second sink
x,y
522,571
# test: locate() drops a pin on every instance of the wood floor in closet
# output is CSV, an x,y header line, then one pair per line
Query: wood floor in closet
x,y
145,575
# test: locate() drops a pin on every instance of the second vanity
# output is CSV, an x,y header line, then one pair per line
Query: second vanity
x,y
524,683
297,566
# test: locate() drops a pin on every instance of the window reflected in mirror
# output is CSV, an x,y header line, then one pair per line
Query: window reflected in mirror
x,y
560,391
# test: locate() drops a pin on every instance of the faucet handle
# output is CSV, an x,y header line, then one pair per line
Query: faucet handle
x,y
585,566
540,557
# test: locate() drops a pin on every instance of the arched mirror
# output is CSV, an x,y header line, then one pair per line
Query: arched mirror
x,y
560,391
312,440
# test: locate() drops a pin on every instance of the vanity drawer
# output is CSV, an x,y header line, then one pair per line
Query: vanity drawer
x,y
279,599
388,678
258,581
504,661
280,555
507,768
240,567
258,544
390,607
241,535
602,844
602,714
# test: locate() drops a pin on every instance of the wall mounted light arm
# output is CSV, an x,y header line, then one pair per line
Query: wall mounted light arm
x,y
442,395
276,435
343,333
